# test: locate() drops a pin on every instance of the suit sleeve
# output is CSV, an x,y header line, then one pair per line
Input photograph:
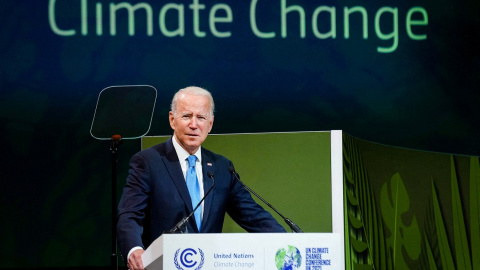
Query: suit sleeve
x,y
249,214
132,205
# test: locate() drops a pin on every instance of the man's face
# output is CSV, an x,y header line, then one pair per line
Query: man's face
x,y
192,121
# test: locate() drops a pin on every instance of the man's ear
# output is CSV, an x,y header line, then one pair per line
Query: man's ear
x,y
211,124
170,118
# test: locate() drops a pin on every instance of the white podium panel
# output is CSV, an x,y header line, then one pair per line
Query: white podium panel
x,y
241,251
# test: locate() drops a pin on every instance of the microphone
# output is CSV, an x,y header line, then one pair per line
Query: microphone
x,y
181,223
290,223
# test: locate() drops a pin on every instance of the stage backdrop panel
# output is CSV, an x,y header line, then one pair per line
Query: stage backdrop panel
x,y
410,209
292,171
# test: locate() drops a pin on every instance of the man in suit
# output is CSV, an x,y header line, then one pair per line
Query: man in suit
x,y
156,196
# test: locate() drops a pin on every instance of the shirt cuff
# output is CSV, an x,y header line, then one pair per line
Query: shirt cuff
x,y
132,250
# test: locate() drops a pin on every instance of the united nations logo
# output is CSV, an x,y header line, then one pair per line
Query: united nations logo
x,y
189,258
288,258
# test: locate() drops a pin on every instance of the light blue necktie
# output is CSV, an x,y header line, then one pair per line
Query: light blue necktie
x,y
194,188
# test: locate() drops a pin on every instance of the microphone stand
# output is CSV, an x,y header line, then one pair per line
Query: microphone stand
x,y
290,223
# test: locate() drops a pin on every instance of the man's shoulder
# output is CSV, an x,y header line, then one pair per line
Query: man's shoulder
x,y
161,149
214,156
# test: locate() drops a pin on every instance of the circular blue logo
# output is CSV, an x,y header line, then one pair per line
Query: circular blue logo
x,y
189,259
288,258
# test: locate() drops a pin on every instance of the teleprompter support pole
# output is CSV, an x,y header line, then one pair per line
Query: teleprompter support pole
x,y
115,142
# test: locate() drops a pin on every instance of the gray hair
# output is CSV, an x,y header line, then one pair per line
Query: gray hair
x,y
195,91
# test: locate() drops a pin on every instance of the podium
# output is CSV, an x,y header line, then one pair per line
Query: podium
x,y
239,251
313,199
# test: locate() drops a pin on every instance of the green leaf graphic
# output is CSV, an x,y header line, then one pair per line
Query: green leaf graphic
x,y
362,267
348,174
475,211
356,246
355,222
393,205
351,198
364,236
444,248
431,259
359,246
462,251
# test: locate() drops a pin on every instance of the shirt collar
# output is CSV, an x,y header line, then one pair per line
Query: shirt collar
x,y
183,154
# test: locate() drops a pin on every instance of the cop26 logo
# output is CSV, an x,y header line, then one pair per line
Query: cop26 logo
x,y
189,259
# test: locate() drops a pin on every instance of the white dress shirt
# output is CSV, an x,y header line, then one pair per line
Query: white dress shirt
x,y
182,157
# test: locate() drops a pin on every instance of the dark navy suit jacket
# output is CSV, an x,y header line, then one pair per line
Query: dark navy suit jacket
x,y
155,198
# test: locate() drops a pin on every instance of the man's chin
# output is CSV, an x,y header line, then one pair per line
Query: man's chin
x,y
194,143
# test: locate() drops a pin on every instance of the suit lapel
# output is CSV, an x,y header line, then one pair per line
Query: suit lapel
x,y
207,166
175,170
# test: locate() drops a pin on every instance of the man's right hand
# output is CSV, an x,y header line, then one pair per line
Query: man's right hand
x,y
135,260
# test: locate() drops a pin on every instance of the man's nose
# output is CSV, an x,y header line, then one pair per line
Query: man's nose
x,y
193,123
